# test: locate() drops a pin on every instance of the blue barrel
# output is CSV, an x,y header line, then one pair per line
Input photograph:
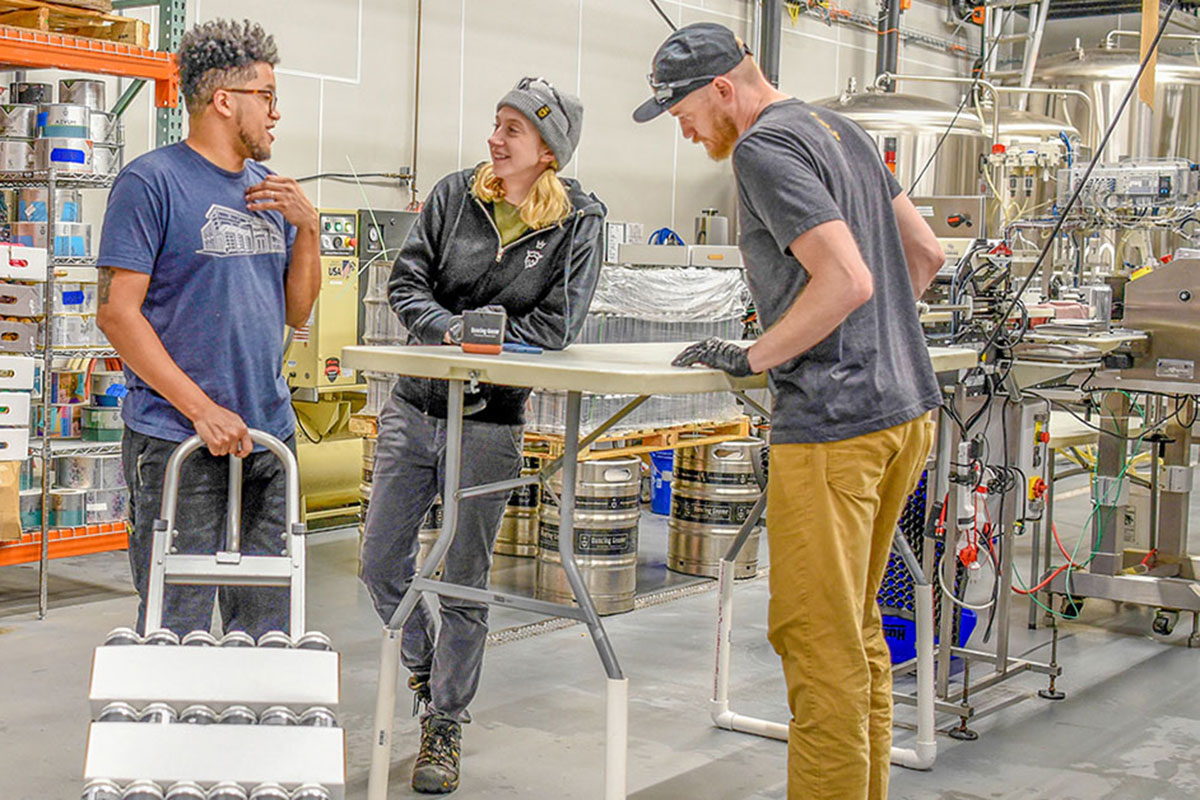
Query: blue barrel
x,y
662,462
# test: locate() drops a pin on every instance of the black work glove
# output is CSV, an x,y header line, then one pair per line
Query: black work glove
x,y
718,354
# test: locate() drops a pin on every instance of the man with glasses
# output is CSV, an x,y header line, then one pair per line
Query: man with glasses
x,y
205,256
835,254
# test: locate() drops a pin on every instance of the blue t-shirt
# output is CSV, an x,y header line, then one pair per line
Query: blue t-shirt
x,y
216,294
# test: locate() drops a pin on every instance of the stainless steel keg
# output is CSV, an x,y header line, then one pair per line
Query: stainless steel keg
x,y
605,539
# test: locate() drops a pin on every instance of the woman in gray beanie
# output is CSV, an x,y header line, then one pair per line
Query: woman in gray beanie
x,y
511,233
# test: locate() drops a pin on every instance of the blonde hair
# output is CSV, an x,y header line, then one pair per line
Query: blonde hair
x,y
546,204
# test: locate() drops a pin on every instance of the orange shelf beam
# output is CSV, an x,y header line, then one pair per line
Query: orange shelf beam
x,y
65,542
22,47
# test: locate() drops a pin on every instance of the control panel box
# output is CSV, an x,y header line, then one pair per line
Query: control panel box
x,y
339,233
314,359
1134,185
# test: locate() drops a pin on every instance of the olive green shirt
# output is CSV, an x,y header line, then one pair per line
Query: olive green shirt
x,y
508,221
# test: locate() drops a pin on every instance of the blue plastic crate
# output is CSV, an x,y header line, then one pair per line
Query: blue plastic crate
x,y
901,634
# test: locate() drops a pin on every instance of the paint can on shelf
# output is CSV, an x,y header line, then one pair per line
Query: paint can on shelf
x,y
88,472
74,298
67,507
106,505
102,424
31,204
71,239
64,120
16,154
68,154
58,421
31,509
31,92
106,159
73,330
19,120
82,91
108,388
68,386
105,128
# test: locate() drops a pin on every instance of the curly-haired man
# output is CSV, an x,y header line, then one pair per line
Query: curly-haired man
x,y
205,255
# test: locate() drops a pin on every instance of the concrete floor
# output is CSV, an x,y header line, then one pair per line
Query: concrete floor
x,y
1128,729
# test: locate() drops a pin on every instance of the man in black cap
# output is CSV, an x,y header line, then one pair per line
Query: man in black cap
x,y
835,254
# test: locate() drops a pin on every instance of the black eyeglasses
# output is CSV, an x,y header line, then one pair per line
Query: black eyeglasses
x,y
664,91
272,98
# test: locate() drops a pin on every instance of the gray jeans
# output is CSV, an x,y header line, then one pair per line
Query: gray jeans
x,y
409,474
200,520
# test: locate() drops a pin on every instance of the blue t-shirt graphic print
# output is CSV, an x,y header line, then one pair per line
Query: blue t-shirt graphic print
x,y
216,295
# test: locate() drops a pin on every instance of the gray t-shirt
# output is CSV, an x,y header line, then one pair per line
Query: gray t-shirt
x,y
799,166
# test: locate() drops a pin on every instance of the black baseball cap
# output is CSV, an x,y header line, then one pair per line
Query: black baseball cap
x,y
689,59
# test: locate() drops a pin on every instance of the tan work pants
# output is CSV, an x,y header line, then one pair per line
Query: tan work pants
x,y
831,511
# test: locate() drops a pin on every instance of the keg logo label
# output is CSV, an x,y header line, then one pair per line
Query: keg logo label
x,y
592,541
718,478
709,512
585,503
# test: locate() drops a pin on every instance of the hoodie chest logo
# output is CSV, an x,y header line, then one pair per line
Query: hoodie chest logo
x,y
534,255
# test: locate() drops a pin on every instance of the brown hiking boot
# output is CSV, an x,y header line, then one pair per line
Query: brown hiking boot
x,y
436,768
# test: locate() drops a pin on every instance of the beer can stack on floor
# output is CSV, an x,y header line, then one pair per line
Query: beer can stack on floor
x,y
230,718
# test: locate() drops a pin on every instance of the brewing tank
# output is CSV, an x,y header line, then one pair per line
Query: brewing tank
x,y
1171,128
909,126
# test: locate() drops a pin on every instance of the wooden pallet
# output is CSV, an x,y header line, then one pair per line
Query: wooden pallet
x,y
638,442
634,442
73,21
363,425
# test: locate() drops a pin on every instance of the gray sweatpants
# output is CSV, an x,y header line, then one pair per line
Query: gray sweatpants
x,y
409,474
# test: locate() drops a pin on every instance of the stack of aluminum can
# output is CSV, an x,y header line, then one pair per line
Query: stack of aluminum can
x,y
181,716
381,327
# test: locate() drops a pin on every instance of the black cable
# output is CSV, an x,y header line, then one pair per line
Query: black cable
x,y
1064,212
1001,550
985,51
663,14
391,176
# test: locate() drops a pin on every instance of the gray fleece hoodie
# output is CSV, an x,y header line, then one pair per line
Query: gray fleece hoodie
x,y
453,261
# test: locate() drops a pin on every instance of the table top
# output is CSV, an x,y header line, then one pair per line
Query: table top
x,y
642,368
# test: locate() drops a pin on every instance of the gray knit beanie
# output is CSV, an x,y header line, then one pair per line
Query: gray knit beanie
x,y
557,116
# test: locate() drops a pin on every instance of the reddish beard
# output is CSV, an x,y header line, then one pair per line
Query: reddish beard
x,y
723,138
